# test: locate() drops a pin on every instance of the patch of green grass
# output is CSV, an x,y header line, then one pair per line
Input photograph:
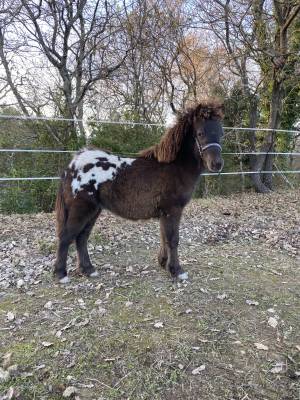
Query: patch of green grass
x,y
46,247
98,238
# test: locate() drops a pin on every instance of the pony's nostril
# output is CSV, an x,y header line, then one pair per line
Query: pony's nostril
x,y
217,165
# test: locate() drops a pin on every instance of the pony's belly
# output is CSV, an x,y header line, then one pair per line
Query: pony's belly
x,y
132,207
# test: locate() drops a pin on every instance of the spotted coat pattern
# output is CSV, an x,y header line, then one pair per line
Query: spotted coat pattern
x,y
90,168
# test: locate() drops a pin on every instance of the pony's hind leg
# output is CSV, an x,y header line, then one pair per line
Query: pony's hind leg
x,y
60,266
77,217
169,225
84,263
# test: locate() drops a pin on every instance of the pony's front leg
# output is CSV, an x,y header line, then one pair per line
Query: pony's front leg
x,y
162,254
169,228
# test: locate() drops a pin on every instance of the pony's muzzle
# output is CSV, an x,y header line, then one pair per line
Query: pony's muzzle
x,y
213,160
216,165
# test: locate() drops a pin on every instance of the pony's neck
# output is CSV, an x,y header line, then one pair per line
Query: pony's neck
x,y
187,156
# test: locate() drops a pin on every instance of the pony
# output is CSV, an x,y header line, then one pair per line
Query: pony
x,y
158,184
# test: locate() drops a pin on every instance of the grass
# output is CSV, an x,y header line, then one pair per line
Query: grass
x,y
133,333
119,354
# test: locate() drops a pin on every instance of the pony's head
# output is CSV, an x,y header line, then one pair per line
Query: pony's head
x,y
195,133
206,126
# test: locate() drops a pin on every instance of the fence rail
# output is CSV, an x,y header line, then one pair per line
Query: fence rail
x,y
133,123
130,123
223,153
34,178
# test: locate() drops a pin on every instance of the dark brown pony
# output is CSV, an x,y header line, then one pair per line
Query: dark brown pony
x,y
157,184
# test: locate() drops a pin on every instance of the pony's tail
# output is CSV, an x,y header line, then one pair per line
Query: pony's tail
x,y
60,209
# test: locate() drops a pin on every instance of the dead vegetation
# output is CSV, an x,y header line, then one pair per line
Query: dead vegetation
x,y
230,332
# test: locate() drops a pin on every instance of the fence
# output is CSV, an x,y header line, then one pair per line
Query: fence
x,y
50,161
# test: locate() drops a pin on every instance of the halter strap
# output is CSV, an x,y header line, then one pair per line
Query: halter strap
x,y
207,146
211,145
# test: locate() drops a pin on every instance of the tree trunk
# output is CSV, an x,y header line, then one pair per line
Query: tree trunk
x,y
274,120
82,137
256,161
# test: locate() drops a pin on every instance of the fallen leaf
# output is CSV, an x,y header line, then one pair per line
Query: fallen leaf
x,y
71,364
70,391
261,346
272,322
47,344
48,305
275,272
20,283
11,394
203,290
10,316
41,366
252,303
6,360
197,370
13,370
101,311
4,375
277,368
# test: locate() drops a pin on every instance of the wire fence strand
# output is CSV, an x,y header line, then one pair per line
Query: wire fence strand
x,y
34,178
75,151
130,123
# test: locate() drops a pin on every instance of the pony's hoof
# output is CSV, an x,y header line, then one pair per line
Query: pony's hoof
x,y
64,280
94,274
183,276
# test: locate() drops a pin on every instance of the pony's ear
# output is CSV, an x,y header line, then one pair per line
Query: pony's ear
x,y
219,110
210,109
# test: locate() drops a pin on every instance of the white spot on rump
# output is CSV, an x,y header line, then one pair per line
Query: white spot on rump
x,y
97,174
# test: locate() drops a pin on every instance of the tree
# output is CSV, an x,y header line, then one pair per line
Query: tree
x,y
256,35
80,41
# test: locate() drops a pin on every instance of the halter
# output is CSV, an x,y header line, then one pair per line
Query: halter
x,y
207,146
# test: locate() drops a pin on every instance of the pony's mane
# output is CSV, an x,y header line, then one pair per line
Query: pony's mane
x,y
168,147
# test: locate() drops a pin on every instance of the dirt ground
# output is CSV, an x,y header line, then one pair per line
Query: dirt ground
x,y
232,331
